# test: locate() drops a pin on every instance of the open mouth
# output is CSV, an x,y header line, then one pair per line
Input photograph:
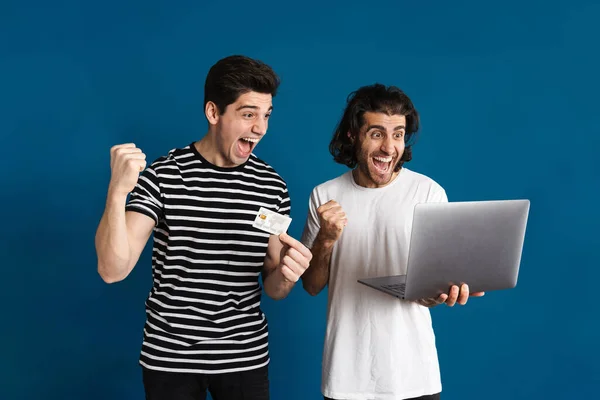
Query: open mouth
x,y
246,145
382,164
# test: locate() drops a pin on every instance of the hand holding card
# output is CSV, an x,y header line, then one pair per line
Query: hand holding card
x,y
295,257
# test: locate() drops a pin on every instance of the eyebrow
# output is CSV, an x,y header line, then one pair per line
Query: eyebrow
x,y
383,129
251,107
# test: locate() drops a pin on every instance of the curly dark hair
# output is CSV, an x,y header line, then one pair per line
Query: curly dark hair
x,y
374,98
235,75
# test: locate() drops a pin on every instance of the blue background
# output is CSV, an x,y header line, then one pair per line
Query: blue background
x,y
508,95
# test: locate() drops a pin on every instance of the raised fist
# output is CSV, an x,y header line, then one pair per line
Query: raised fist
x,y
332,219
126,163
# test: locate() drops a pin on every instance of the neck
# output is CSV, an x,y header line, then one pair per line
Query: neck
x,y
207,147
362,179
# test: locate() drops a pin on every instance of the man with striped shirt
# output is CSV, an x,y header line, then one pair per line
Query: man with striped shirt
x,y
205,330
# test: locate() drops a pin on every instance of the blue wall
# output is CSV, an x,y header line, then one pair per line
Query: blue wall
x,y
509,100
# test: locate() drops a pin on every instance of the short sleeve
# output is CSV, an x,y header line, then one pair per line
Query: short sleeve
x,y
285,204
146,197
311,227
437,194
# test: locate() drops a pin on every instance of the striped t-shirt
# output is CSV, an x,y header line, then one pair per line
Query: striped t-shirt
x,y
203,312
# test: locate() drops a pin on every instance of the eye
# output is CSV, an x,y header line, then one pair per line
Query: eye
x,y
399,135
267,116
376,135
248,115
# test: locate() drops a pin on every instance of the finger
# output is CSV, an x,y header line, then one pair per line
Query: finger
x,y
127,150
332,216
136,164
135,156
289,274
430,302
442,298
464,294
293,265
424,302
328,205
452,296
290,241
340,219
121,146
299,258
334,212
337,224
477,294
324,207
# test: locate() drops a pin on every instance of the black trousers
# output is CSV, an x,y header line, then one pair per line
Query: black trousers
x,y
246,385
428,397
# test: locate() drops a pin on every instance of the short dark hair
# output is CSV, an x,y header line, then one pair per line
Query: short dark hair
x,y
374,98
235,75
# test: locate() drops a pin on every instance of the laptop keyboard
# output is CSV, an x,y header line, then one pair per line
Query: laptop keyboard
x,y
396,288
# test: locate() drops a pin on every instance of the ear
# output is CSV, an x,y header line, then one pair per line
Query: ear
x,y
212,113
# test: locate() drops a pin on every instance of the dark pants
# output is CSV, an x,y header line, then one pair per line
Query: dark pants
x,y
428,397
246,385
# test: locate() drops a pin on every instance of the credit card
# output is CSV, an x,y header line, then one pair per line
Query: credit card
x,y
272,222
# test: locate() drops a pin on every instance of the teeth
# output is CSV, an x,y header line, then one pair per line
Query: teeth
x,y
250,140
383,159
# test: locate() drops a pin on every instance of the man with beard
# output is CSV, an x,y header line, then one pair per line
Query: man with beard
x,y
359,224
205,329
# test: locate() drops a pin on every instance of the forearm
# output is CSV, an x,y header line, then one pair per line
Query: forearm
x,y
112,242
276,285
317,275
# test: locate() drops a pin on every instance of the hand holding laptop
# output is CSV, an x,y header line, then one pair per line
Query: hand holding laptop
x,y
454,296
478,243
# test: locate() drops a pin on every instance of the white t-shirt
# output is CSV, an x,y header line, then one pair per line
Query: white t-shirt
x,y
376,346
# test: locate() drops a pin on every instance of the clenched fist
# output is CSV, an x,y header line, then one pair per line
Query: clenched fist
x,y
126,163
332,219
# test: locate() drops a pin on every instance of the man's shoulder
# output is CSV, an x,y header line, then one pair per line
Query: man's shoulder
x,y
420,179
262,169
333,184
172,158
425,187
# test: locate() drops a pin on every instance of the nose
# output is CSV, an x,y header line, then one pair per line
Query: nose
x,y
260,126
388,145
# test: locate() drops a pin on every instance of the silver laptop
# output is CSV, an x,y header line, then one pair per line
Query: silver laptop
x,y
479,243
